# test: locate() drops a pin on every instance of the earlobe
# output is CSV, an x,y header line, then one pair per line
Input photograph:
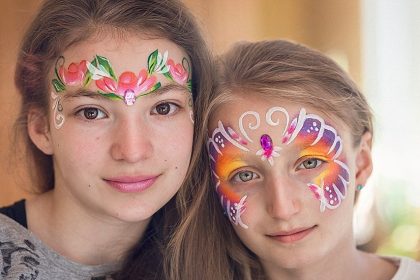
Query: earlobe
x,y
39,132
364,165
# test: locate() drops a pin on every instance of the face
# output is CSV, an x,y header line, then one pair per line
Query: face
x,y
285,176
121,127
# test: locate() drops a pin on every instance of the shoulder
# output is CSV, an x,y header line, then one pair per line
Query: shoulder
x,y
24,256
408,269
17,250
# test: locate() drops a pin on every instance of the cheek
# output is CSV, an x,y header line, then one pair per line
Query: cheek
x,y
175,143
78,148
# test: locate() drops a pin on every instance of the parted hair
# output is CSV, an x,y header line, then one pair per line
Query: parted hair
x,y
205,245
58,25
62,23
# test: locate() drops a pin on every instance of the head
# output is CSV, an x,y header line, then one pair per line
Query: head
x,y
65,27
289,139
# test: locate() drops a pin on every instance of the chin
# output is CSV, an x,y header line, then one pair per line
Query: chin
x,y
293,260
135,214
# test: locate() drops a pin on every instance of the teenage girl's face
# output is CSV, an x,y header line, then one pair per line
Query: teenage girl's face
x,y
285,175
122,141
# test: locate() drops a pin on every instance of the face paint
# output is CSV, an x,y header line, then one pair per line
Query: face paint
x,y
57,108
223,151
268,151
128,86
308,132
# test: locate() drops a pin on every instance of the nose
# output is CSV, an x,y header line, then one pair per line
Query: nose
x,y
131,141
282,197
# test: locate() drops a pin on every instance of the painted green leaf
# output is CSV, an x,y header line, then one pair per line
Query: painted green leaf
x,y
105,66
88,76
155,87
60,59
168,75
58,85
111,96
189,85
152,61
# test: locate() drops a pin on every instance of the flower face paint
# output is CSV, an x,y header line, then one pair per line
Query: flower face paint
x,y
128,86
307,133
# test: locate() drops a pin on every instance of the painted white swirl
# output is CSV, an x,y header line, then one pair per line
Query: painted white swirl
x,y
58,116
269,120
250,126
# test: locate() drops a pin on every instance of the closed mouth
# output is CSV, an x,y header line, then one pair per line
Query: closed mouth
x,y
292,235
131,184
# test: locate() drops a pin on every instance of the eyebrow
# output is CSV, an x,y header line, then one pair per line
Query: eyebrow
x,y
173,86
82,92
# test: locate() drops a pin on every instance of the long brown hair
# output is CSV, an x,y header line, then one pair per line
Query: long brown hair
x,y
62,23
205,245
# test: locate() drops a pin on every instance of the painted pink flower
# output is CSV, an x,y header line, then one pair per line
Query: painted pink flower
x,y
74,74
129,86
178,73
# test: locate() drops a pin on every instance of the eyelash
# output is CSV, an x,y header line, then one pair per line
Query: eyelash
x,y
236,177
82,113
317,160
173,108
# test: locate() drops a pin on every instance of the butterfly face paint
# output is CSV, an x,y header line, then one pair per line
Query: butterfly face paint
x,y
224,150
128,86
307,132
310,131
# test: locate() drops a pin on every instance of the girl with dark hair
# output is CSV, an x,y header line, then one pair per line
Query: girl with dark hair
x,y
107,98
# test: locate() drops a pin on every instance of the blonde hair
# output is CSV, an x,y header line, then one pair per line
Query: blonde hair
x,y
205,245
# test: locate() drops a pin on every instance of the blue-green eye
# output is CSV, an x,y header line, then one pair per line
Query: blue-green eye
x,y
244,176
310,163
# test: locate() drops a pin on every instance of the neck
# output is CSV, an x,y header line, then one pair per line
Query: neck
x,y
79,235
340,264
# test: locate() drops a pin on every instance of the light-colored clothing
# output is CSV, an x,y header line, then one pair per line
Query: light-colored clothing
x,y
408,269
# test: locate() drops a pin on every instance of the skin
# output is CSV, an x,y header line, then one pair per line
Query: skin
x,y
280,203
84,217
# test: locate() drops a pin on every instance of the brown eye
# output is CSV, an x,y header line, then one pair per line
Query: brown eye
x,y
165,108
91,113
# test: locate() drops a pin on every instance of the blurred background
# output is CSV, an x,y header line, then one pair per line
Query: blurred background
x,y
376,41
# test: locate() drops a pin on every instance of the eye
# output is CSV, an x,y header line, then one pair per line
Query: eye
x,y
165,108
91,113
244,176
310,163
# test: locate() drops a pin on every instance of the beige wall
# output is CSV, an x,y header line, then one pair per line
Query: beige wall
x,y
15,17
328,25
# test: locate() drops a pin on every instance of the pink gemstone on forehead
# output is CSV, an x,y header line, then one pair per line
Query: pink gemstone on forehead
x,y
266,144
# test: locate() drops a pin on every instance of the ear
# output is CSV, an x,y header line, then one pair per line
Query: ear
x,y
364,159
39,131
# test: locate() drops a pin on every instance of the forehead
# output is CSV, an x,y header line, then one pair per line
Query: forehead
x,y
124,52
246,110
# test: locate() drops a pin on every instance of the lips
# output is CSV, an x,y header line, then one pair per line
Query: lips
x,y
293,235
128,184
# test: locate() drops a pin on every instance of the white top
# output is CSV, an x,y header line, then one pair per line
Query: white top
x,y
408,269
